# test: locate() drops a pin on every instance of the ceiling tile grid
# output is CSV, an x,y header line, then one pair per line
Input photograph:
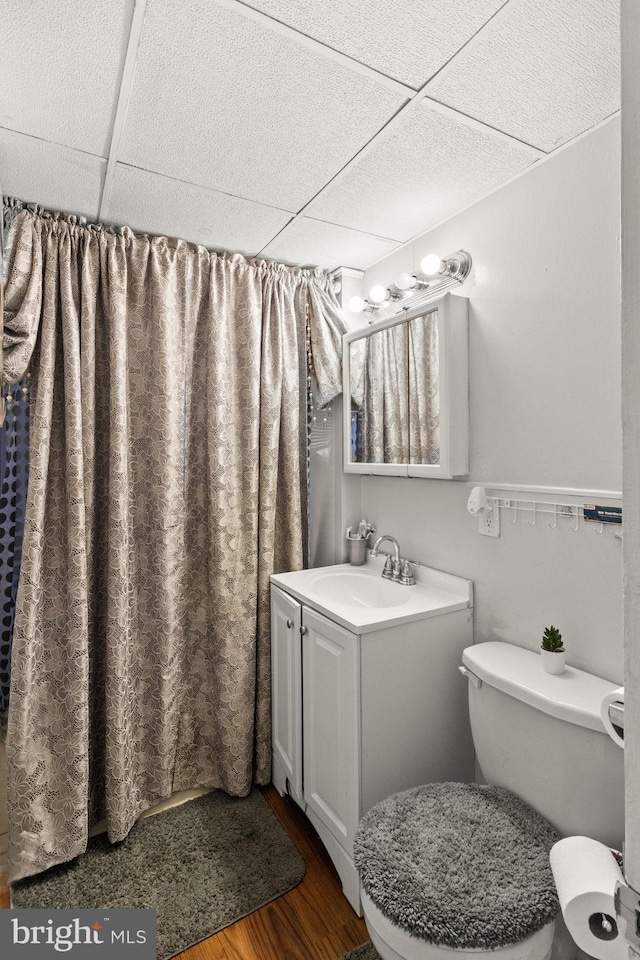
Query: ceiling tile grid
x,y
149,203
237,121
409,40
544,72
60,67
310,242
55,177
220,101
429,166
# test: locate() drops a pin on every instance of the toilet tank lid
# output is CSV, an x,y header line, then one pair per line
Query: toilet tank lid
x,y
574,696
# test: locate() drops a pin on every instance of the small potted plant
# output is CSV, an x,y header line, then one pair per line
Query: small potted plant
x,y
552,650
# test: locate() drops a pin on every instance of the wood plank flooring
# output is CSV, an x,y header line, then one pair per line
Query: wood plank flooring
x,y
313,921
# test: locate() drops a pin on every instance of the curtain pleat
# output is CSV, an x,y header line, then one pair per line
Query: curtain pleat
x,y
167,482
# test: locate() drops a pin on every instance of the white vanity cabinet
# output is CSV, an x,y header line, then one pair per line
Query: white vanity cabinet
x,y
361,710
315,667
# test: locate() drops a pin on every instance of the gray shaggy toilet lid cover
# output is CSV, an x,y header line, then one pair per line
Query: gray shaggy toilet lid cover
x,y
458,864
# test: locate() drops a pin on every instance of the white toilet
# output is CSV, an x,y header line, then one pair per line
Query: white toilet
x,y
541,737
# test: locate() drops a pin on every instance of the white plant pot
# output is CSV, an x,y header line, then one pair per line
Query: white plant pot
x,y
553,661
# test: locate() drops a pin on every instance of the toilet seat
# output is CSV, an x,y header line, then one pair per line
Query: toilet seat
x,y
456,868
394,943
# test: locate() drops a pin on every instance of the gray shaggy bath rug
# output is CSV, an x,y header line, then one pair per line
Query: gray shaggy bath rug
x,y
202,866
366,951
460,865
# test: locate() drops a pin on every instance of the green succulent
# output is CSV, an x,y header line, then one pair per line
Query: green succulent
x,y
552,640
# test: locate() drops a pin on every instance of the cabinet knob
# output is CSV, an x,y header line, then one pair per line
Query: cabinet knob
x,y
289,624
303,630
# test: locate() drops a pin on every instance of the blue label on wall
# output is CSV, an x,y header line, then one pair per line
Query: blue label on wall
x,y
80,934
602,514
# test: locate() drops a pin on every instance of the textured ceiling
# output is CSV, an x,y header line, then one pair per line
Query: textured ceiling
x,y
409,40
310,133
544,74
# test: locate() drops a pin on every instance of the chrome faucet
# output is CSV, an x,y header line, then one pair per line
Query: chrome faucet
x,y
396,568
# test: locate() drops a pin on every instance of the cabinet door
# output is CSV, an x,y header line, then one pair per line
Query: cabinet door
x,y
331,725
286,686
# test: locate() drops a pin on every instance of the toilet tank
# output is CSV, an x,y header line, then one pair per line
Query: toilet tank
x,y
541,736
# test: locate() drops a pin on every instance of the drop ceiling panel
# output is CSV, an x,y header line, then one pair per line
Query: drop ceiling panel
x,y
60,67
55,177
311,242
409,41
149,203
544,72
426,168
220,101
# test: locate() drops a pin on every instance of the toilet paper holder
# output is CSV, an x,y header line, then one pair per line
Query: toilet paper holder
x,y
616,715
612,715
627,905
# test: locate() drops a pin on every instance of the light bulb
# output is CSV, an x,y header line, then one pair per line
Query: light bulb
x,y
431,264
356,304
405,281
378,293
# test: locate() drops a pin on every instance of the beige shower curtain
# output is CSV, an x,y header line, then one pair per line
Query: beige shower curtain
x,y
167,481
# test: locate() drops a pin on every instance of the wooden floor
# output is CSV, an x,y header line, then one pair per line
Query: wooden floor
x,y
313,921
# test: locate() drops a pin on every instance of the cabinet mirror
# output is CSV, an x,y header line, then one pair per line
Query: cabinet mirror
x,y
406,393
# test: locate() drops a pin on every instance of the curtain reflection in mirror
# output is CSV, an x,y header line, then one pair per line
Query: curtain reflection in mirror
x,y
380,428
424,390
395,401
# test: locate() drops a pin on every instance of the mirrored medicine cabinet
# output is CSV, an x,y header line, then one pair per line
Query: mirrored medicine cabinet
x,y
407,378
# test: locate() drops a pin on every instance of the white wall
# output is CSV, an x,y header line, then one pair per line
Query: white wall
x,y
545,403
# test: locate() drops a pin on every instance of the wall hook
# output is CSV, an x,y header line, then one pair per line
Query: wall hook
x,y
575,529
515,512
601,530
532,523
555,517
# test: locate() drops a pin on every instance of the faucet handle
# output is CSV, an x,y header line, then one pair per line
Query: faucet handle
x,y
387,572
406,574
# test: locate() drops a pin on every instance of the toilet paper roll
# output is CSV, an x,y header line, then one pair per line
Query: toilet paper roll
x,y
616,696
586,873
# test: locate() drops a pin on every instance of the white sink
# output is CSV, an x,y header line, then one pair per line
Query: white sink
x,y
357,588
363,601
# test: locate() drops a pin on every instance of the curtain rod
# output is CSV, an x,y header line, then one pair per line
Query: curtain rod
x,y
12,206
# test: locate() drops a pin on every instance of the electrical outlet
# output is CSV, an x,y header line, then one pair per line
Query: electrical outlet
x,y
489,521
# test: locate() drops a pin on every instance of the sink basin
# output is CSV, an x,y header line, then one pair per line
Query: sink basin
x,y
362,600
360,589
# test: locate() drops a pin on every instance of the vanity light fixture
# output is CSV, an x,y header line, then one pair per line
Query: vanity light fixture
x,y
430,265
436,274
378,293
405,281
357,304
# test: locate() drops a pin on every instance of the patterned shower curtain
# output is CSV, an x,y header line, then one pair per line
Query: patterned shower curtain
x,y
141,644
